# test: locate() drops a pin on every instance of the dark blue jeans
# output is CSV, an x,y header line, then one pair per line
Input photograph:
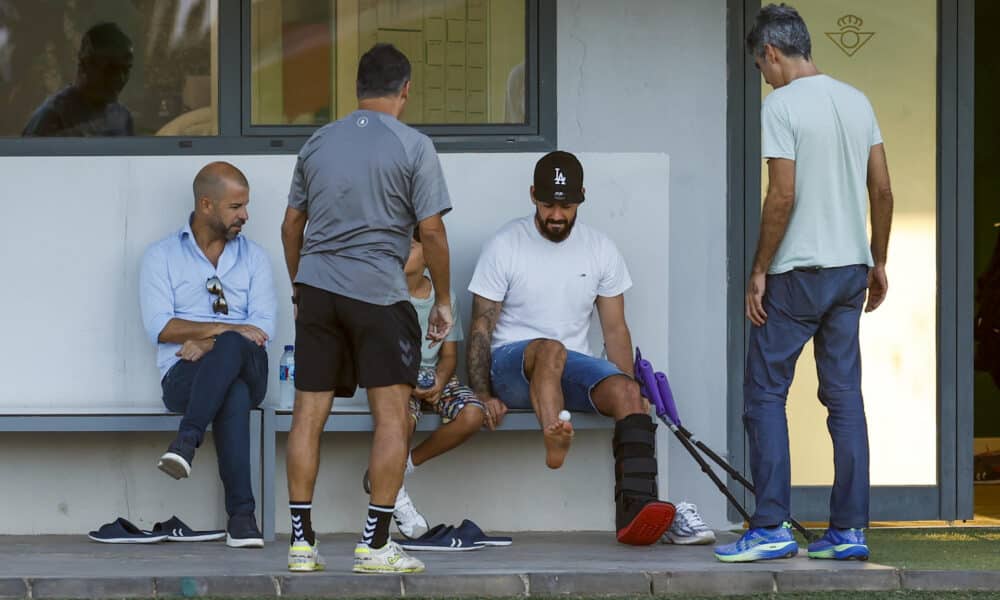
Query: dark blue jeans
x,y
221,389
824,305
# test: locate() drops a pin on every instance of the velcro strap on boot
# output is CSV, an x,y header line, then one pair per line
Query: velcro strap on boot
x,y
635,486
634,436
633,451
639,466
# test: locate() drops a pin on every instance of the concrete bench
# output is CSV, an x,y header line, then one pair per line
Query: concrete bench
x,y
280,421
121,419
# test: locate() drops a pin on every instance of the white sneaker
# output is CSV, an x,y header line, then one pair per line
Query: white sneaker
x,y
688,528
410,522
387,559
305,558
175,465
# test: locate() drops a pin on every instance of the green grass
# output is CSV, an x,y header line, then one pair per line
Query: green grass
x,y
954,549
902,595
837,595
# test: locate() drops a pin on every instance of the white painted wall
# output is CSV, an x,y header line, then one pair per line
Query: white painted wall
x,y
81,347
650,76
642,76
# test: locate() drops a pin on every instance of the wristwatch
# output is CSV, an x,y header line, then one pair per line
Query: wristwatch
x,y
295,299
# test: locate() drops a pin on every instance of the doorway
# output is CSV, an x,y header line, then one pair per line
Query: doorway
x,y
986,463
913,59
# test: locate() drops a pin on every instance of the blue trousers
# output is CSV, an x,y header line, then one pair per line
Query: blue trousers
x,y
825,305
221,389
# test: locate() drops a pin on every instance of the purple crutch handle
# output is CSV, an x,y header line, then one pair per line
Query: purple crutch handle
x,y
667,397
647,380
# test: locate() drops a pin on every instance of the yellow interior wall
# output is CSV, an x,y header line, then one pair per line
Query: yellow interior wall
x,y
896,68
507,49
461,51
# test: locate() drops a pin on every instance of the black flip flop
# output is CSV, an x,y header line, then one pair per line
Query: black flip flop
x,y
121,531
472,531
177,531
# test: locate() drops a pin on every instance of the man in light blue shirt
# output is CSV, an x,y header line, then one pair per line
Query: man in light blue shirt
x,y
813,267
208,303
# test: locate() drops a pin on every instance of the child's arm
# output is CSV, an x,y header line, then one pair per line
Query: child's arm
x,y
447,360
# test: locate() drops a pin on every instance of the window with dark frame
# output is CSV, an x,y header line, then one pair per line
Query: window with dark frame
x,y
162,77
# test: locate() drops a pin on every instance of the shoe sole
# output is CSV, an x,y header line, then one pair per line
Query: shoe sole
x,y
773,551
496,544
244,543
174,465
649,525
385,570
441,548
210,537
145,540
843,552
691,540
305,568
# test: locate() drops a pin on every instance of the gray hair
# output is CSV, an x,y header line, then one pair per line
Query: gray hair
x,y
780,26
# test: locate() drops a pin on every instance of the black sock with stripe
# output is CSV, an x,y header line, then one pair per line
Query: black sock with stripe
x,y
302,529
376,532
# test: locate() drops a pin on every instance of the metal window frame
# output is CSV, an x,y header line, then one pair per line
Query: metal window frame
x,y
238,137
951,498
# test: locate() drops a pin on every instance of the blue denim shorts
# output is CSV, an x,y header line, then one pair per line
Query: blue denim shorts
x,y
581,375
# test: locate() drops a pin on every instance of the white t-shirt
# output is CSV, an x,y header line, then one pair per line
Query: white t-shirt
x,y
828,128
548,289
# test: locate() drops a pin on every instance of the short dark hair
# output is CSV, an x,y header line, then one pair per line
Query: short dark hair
x,y
780,26
382,71
104,39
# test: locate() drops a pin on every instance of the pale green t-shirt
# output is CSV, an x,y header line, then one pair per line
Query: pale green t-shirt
x,y
828,128
423,306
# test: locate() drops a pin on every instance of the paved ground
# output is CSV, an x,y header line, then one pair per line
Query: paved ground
x,y
536,565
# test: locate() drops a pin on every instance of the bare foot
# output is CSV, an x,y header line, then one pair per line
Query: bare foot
x,y
558,436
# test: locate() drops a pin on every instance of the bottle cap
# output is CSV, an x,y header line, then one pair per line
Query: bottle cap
x,y
289,348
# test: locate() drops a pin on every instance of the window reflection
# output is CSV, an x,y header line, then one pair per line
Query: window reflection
x,y
73,68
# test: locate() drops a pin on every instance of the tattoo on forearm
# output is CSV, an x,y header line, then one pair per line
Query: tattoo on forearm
x,y
479,356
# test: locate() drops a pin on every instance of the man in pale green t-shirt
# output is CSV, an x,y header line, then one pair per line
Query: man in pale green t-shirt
x,y
813,268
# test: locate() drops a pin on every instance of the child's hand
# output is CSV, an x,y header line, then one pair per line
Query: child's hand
x,y
431,395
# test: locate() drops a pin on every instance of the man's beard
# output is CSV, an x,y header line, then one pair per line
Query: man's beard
x,y
228,232
554,236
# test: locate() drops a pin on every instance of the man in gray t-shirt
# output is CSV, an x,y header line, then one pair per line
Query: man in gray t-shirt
x,y
361,185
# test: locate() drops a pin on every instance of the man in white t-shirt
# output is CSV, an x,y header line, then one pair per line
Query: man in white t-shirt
x,y
813,266
535,288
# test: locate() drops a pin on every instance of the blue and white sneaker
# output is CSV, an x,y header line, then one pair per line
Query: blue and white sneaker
x,y
840,544
763,543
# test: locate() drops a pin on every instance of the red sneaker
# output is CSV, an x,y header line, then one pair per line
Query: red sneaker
x,y
648,525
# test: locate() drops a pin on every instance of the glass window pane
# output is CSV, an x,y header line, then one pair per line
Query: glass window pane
x,y
888,50
72,68
467,58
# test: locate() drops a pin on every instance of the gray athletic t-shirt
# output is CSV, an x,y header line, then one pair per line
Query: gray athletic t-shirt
x,y
364,181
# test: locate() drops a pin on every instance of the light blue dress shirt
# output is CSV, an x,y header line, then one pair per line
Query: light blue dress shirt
x,y
172,284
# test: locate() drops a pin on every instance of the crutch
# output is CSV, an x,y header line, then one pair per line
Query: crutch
x,y
656,387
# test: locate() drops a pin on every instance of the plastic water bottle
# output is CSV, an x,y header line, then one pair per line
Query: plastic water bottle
x,y
286,377
426,378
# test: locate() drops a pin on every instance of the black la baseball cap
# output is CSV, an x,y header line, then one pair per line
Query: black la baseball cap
x,y
559,179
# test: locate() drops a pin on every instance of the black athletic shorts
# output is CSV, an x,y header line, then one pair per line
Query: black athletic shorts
x,y
342,343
